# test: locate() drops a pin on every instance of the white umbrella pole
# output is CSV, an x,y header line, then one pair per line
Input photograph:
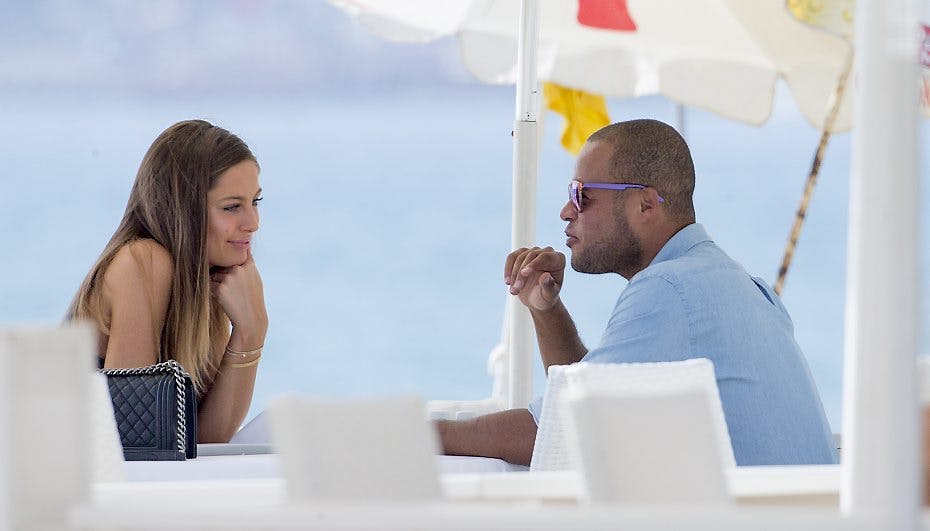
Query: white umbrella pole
x,y
880,457
521,338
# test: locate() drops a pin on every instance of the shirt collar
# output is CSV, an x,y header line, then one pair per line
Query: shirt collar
x,y
682,242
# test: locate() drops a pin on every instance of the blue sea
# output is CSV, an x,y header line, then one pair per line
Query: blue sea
x,y
386,221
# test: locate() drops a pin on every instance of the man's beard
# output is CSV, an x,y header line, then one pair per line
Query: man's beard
x,y
621,253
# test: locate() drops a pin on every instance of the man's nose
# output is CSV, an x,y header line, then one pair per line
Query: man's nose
x,y
568,211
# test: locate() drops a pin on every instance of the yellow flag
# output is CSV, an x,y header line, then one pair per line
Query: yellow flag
x,y
584,113
835,16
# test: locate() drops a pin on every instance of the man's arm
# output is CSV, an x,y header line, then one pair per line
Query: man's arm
x,y
507,435
535,276
559,343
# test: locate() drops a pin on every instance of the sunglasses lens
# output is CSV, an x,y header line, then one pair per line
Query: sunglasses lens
x,y
574,192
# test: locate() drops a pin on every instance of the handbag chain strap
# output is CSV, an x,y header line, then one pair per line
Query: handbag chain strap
x,y
175,368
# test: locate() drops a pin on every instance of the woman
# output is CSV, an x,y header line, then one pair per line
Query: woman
x,y
177,279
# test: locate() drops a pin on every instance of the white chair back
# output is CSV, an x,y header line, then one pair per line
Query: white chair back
x,y
641,449
106,450
923,380
552,450
638,433
44,424
361,450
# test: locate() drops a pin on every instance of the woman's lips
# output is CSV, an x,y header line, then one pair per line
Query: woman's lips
x,y
240,244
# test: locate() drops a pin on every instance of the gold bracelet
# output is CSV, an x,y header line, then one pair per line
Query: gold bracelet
x,y
241,365
243,353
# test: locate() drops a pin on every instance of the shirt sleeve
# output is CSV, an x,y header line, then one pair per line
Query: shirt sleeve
x,y
650,323
535,408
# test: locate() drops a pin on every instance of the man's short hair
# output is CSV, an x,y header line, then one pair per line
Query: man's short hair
x,y
652,153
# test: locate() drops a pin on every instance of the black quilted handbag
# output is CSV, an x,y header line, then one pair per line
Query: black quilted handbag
x,y
156,412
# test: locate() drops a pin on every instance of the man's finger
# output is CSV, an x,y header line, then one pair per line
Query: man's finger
x,y
520,272
549,287
549,261
523,281
515,260
508,264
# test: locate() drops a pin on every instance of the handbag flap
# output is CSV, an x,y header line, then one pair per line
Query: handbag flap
x,y
136,404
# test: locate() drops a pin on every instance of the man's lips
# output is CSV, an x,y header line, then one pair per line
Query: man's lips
x,y
570,240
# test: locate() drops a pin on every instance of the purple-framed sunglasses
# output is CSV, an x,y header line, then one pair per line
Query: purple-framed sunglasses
x,y
575,188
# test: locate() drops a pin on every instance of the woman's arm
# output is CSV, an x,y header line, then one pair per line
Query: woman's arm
x,y
135,293
239,291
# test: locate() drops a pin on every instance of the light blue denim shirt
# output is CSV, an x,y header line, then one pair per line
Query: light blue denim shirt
x,y
694,301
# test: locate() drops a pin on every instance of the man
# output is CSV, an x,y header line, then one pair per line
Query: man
x,y
630,212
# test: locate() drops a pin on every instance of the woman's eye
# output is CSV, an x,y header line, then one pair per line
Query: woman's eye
x,y
256,201
231,208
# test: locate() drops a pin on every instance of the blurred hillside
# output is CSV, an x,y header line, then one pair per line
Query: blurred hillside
x,y
212,47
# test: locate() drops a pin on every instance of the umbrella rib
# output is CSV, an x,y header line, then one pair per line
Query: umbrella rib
x,y
835,100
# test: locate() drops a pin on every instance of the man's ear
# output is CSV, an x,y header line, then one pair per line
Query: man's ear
x,y
649,201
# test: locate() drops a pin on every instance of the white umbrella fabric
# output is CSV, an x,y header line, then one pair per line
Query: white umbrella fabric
x,y
723,56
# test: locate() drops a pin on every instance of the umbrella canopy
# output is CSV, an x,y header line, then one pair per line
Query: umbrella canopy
x,y
723,56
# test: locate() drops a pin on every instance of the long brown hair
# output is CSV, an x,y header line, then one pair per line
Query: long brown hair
x,y
168,204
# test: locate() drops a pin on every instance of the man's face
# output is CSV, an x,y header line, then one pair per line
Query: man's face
x,y
600,236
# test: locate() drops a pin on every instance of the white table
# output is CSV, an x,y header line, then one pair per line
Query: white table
x,y
267,466
246,492
494,479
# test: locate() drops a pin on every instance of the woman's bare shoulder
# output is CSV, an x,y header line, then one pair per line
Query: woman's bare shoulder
x,y
142,260
145,256
136,294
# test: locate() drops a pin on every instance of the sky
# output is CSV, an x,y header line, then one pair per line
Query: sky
x,y
214,47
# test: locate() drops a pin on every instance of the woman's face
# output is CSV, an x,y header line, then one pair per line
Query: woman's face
x,y
232,215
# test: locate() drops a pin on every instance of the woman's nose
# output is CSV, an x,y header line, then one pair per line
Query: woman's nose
x,y
250,223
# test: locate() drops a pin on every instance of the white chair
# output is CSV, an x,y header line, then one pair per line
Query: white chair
x,y
923,380
551,451
647,449
614,422
45,458
106,450
362,450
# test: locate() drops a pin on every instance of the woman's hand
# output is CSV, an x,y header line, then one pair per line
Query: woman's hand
x,y
239,291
